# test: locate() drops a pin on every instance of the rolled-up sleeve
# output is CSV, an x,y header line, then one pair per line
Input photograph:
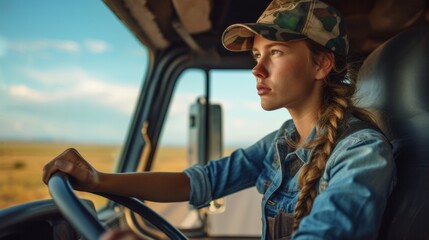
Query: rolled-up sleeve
x,y
200,188
228,175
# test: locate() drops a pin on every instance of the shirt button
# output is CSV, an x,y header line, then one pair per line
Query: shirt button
x,y
271,203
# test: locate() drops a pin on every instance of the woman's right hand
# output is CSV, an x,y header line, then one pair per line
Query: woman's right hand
x,y
84,176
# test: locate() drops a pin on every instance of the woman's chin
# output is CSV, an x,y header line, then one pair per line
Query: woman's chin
x,y
268,107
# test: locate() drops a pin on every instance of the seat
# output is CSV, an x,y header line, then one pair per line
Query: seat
x,y
394,81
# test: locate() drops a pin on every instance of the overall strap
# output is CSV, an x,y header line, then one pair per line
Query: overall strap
x,y
350,128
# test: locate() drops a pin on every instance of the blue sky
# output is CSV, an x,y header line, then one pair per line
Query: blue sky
x,y
65,65
71,71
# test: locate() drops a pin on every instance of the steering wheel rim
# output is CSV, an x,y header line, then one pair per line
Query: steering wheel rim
x,y
87,224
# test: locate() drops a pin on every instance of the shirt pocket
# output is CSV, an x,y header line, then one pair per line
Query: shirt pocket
x,y
285,200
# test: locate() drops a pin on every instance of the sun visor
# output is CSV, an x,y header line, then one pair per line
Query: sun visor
x,y
194,14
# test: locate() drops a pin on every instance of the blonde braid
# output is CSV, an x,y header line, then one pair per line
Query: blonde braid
x,y
337,101
310,173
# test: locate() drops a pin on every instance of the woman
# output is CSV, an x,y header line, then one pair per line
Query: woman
x,y
321,177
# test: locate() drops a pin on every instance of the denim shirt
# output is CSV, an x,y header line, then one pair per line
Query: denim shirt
x,y
352,192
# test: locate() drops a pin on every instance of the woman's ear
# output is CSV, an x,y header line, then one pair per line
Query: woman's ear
x,y
325,63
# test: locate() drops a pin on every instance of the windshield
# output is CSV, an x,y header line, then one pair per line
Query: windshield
x,y
70,74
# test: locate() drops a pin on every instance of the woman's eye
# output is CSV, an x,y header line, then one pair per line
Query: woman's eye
x,y
275,51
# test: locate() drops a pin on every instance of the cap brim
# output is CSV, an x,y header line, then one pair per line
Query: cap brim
x,y
239,37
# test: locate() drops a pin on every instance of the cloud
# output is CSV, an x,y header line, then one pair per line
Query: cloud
x,y
75,85
44,44
22,91
96,46
181,103
67,46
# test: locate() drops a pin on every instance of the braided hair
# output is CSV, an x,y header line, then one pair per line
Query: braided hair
x,y
339,88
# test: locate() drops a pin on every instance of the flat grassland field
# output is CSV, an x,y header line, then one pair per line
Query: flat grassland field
x,y
21,166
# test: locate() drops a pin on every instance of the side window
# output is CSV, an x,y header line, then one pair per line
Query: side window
x,y
171,153
244,122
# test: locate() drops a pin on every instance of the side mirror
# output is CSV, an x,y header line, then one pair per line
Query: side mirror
x,y
205,132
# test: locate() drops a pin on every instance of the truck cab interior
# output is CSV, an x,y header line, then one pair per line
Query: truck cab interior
x,y
389,37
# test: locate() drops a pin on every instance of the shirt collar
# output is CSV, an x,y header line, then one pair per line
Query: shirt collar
x,y
290,133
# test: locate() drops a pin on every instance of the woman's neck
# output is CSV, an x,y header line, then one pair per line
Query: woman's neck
x,y
304,123
306,112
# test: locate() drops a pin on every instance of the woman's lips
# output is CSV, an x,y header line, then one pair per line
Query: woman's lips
x,y
262,89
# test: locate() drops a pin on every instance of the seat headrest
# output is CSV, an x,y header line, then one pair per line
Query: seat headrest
x,y
394,80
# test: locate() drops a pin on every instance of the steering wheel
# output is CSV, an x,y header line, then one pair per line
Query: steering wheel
x,y
87,224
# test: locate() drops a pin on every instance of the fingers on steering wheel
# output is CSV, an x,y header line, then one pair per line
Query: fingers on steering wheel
x,y
65,162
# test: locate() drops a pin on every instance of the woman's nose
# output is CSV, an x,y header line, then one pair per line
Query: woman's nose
x,y
259,71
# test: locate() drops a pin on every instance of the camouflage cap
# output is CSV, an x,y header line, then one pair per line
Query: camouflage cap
x,y
287,20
